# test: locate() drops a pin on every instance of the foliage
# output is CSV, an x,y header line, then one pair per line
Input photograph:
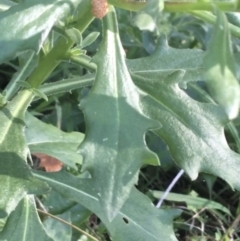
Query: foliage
x,y
171,102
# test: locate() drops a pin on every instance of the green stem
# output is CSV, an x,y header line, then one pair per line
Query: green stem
x,y
49,62
128,5
209,17
12,86
82,60
67,223
179,6
201,10
67,85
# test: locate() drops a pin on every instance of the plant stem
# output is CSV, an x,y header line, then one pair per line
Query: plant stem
x,y
67,223
201,10
179,6
12,86
49,62
82,60
128,5
209,17
67,85
231,228
186,6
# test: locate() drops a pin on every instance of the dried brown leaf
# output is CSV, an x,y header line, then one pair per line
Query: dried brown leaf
x,y
49,163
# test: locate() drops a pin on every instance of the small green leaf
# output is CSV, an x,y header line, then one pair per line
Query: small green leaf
x,y
24,224
77,51
144,22
221,70
75,35
60,27
90,39
24,84
40,94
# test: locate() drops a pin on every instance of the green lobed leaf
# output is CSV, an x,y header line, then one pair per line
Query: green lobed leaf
x,y
114,147
193,131
138,219
221,70
167,58
26,25
47,139
16,179
24,224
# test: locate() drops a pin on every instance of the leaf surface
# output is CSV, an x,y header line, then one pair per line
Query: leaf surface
x,y
221,70
193,131
138,219
26,25
16,179
57,230
114,148
47,139
24,224
168,58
